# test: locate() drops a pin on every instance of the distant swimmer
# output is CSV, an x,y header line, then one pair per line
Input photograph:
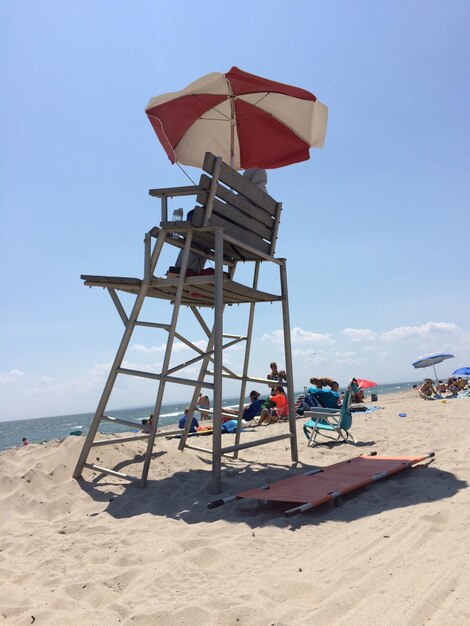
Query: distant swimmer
x,y
25,441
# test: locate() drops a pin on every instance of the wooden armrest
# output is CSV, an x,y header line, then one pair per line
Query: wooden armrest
x,y
169,192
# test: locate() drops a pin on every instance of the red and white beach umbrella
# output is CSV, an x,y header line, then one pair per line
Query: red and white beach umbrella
x,y
247,120
362,383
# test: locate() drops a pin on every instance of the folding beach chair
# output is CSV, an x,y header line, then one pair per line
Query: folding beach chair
x,y
331,423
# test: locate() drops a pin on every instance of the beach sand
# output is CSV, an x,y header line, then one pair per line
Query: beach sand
x,y
101,551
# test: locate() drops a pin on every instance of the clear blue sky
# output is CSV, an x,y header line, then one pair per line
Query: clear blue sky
x,y
375,225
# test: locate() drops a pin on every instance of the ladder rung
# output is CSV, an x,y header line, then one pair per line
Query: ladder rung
x,y
223,413
116,420
122,370
191,447
168,379
252,444
106,470
154,325
107,442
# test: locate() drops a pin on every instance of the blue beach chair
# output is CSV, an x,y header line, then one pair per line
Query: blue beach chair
x,y
331,423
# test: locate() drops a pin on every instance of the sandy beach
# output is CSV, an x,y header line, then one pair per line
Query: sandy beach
x,y
101,551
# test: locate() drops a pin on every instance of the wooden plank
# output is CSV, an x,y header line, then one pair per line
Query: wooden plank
x,y
276,229
105,470
114,279
232,252
180,224
235,215
248,294
114,440
253,444
203,244
252,253
170,192
234,292
236,232
240,184
227,195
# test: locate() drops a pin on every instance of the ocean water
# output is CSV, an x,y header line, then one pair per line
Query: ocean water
x,y
44,429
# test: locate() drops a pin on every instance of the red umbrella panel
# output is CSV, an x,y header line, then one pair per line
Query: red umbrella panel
x,y
247,120
362,383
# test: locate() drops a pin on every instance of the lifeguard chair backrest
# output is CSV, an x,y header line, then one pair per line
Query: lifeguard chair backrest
x,y
346,415
246,213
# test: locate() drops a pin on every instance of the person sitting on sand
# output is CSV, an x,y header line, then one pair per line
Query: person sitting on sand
x,y
147,424
281,407
441,387
254,408
357,396
25,441
427,391
194,422
453,388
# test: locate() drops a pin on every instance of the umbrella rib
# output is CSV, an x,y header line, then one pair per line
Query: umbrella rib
x,y
283,122
255,104
211,107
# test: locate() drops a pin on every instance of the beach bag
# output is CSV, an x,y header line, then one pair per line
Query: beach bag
x,y
230,426
309,402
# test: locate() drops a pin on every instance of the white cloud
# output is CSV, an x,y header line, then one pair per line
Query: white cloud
x,y
359,334
138,347
300,353
178,346
100,368
12,376
425,331
344,355
299,336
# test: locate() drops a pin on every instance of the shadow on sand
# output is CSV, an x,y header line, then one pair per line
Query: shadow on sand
x,y
185,495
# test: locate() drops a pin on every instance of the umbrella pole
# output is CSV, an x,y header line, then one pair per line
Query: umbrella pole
x,y
435,376
232,142
232,125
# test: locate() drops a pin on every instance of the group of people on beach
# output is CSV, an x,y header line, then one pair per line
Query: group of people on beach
x,y
452,388
261,409
264,409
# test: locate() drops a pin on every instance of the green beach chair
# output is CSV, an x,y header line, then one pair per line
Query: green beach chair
x,y
331,423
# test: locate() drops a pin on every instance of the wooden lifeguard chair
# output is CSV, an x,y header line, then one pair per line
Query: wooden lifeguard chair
x,y
233,221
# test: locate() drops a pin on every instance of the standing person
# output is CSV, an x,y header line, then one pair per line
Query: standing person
x,y
203,403
276,376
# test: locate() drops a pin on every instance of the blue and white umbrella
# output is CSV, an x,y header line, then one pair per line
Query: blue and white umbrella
x,y
431,359
463,372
